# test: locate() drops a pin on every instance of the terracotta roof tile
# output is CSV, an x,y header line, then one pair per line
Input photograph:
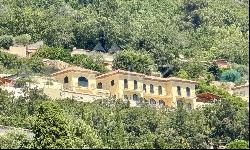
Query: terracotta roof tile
x,y
145,76
74,68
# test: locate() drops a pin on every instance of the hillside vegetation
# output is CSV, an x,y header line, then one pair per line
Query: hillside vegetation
x,y
199,29
153,35
110,123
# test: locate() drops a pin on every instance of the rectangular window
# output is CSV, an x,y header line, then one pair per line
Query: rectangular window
x,y
242,93
179,90
125,83
160,90
144,87
135,84
112,83
188,91
151,88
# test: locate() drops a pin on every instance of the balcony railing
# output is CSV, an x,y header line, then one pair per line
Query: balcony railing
x,y
87,90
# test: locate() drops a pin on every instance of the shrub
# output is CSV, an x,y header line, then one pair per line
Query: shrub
x,y
13,140
238,144
54,53
230,76
136,61
6,41
23,39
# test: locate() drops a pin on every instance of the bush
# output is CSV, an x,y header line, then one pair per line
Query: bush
x,y
13,140
54,53
136,61
23,39
215,70
21,82
230,76
238,144
88,63
6,41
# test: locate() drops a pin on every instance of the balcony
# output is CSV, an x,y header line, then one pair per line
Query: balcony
x,y
185,97
78,89
83,90
102,92
127,90
155,95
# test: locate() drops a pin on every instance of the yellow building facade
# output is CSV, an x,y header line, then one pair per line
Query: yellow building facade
x,y
79,80
155,90
242,91
130,86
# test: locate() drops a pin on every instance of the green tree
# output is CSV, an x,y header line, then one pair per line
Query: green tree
x,y
238,144
55,53
51,127
130,60
88,63
182,74
6,41
23,39
215,70
13,140
230,75
84,136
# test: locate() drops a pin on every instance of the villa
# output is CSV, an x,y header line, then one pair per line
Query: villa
x,y
129,86
238,90
242,91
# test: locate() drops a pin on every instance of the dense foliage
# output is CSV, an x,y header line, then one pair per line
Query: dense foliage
x,y
110,123
230,76
179,38
238,144
23,66
134,61
59,53
200,29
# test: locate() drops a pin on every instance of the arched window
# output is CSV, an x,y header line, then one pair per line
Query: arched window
x,y
66,80
125,83
99,85
144,87
161,103
189,106
159,90
135,84
135,97
188,91
152,102
82,81
151,88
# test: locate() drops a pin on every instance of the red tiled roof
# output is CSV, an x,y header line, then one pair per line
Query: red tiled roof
x,y
206,97
5,80
145,76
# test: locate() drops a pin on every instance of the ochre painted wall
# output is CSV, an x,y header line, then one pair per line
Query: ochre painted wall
x,y
106,85
20,51
73,80
243,92
188,99
169,88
